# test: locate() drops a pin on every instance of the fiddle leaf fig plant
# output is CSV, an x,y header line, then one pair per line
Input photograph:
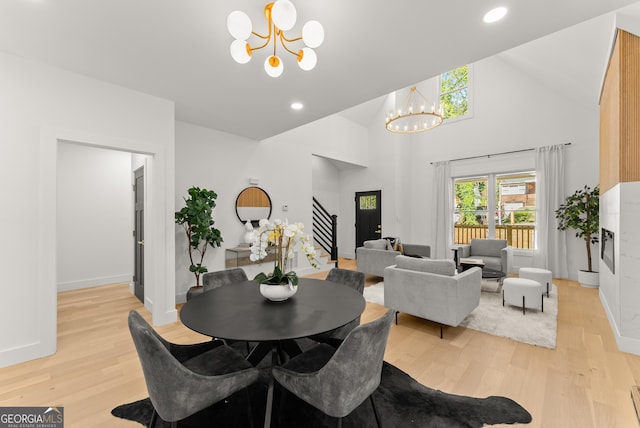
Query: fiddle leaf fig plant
x,y
196,218
580,211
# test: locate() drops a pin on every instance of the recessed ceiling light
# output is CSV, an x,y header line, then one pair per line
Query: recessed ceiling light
x,y
296,106
495,14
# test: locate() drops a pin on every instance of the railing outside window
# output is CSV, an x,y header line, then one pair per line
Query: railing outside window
x,y
517,235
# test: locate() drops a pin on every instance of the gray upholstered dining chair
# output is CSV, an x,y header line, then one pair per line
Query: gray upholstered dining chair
x,y
351,279
185,379
211,280
337,381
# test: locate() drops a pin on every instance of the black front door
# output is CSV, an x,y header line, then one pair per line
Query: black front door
x,y
138,234
368,216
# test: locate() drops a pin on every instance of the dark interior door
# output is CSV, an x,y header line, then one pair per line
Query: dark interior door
x,y
138,234
368,216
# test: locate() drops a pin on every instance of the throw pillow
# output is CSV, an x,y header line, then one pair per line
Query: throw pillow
x,y
393,242
438,267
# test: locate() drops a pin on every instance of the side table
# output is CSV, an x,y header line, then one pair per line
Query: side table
x,y
469,263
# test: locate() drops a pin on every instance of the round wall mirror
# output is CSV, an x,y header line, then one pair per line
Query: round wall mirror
x,y
253,204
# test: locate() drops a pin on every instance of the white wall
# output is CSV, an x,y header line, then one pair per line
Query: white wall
x,y
40,107
94,209
223,163
325,179
511,111
385,171
283,164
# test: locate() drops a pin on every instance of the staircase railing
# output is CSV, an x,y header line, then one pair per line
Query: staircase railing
x,y
325,230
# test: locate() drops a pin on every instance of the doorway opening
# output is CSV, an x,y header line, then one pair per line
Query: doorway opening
x,y
94,216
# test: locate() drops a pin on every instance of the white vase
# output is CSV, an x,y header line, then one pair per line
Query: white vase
x,y
249,234
278,293
589,279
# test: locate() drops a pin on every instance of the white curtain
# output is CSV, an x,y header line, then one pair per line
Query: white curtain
x,y
442,230
551,249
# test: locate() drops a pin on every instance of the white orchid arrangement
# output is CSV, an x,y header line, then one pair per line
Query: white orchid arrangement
x,y
285,239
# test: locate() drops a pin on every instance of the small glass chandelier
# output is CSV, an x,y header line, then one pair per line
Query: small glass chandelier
x,y
281,16
417,115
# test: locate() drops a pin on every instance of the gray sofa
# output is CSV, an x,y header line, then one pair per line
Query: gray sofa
x,y
377,254
494,253
431,289
374,256
416,250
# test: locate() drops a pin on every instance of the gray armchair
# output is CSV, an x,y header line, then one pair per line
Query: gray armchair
x,y
336,381
495,253
185,379
431,289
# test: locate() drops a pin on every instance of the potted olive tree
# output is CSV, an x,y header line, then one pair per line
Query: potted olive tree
x,y
197,221
580,212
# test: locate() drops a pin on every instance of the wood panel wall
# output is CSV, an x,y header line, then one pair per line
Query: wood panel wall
x,y
610,124
629,107
620,114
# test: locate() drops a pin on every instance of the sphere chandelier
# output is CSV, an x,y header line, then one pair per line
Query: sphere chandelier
x,y
281,16
416,116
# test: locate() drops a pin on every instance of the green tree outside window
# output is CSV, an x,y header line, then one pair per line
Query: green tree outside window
x,y
454,92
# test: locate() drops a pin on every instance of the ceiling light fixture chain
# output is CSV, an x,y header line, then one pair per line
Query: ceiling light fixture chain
x,y
281,16
418,115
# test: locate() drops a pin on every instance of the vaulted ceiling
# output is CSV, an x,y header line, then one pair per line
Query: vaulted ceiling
x,y
179,50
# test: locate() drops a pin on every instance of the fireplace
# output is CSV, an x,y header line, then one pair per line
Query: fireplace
x,y
607,251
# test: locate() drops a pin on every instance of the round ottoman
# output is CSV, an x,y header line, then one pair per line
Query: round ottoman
x,y
543,276
523,292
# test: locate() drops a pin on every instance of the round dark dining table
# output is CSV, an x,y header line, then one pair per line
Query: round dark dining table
x,y
240,312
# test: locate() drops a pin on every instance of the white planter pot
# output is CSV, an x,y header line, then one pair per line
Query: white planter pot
x,y
278,293
589,279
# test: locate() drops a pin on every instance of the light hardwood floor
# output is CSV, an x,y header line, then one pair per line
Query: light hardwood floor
x,y
585,382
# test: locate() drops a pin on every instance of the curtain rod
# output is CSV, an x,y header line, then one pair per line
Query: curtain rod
x,y
496,154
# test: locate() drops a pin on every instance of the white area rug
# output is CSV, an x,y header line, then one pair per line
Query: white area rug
x,y
374,293
535,328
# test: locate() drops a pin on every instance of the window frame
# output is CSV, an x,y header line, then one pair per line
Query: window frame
x,y
492,192
469,113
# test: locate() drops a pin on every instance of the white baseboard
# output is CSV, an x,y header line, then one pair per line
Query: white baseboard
x,y
94,282
27,352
